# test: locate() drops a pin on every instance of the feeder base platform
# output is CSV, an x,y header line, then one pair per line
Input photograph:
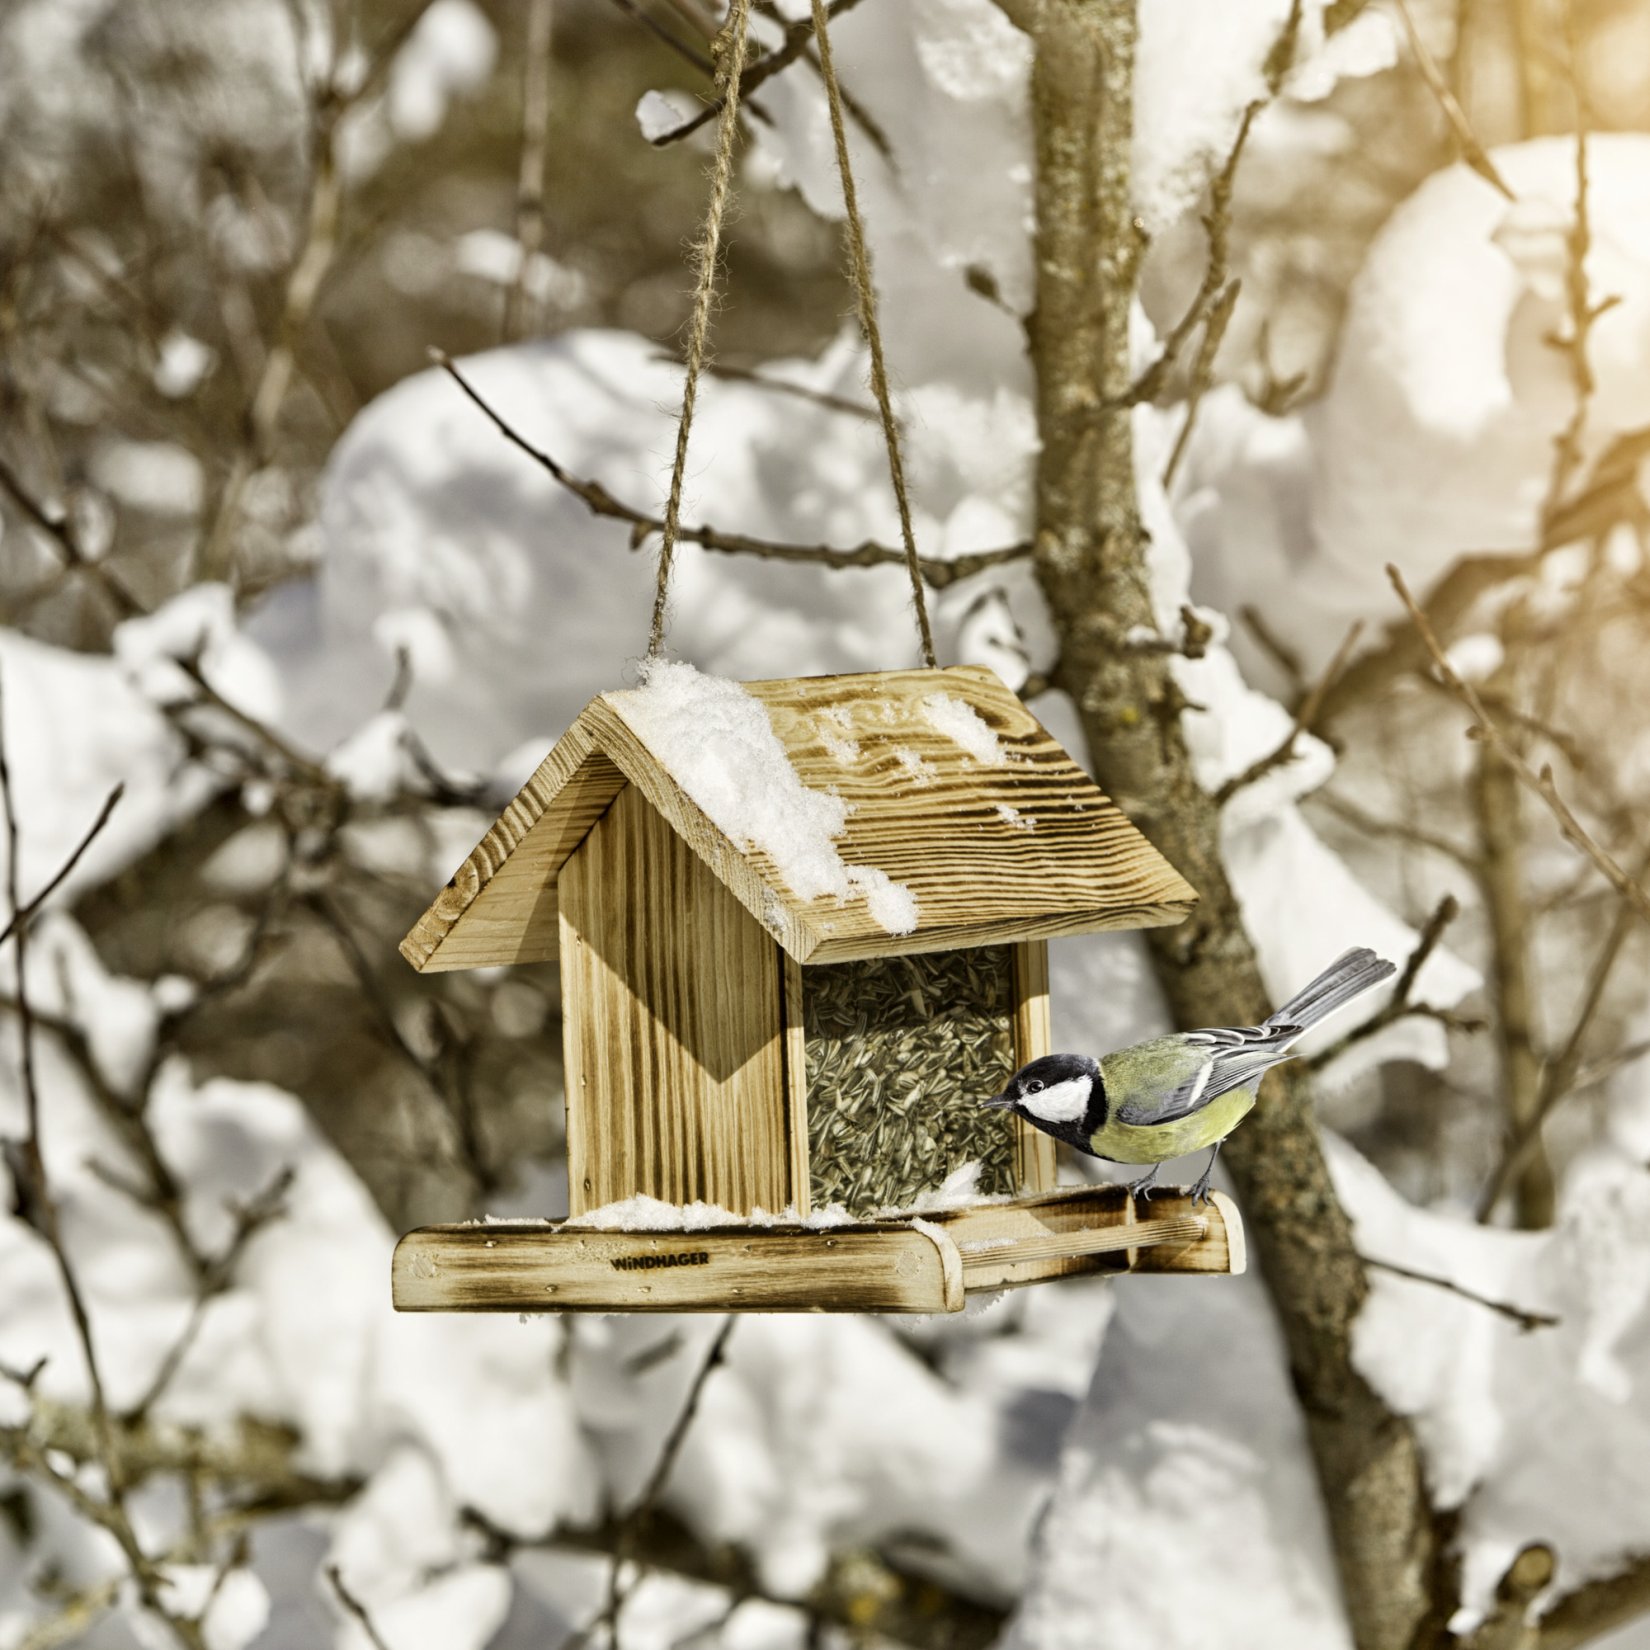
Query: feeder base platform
x,y
908,1263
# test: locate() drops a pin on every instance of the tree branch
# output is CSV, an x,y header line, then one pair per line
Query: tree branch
x,y
1525,1319
939,573
1400,1005
1305,716
798,37
1541,783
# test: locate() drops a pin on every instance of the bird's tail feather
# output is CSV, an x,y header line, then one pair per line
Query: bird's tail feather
x,y
1347,977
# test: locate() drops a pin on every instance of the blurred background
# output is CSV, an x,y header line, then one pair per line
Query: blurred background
x,y
265,567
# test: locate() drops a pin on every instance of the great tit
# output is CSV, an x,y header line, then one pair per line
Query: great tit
x,y
1172,1095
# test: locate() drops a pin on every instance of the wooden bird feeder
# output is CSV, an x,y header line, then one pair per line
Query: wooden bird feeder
x,y
730,1044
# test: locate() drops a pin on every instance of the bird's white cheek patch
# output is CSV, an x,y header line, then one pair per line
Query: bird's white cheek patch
x,y
1064,1103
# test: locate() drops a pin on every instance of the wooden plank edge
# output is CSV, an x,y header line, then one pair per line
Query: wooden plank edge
x,y
561,764
1074,1210
901,1267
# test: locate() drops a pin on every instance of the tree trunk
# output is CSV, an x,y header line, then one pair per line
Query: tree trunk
x,y
1090,559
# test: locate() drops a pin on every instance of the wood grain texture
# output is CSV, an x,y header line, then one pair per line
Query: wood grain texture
x,y
1092,1229
916,1264
1033,1039
500,906
504,1268
796,1081
1022,845
675,1055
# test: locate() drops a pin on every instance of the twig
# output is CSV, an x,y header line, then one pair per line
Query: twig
x,y
1203,372
939,573
1400,829
1560,1075
535,144
1588,1612
41,1211
671,39
250,1219
354,1607
446,1080
1399,1006
635,1521
780,386
57,526
1305,715
1472,151
1526,1320
797,37
1542,782
1276,649
24,913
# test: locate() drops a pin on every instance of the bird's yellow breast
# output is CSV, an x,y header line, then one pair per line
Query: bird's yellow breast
x,y
1158,1142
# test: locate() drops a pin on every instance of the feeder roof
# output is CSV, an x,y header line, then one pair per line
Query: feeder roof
x,y
955,793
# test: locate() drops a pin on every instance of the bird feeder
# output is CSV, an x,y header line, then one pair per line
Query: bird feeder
x,y
808,1069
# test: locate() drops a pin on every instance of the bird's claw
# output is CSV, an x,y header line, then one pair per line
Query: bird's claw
x,y
1200,1192
1146,1186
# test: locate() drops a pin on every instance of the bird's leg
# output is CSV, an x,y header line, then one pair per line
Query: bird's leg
x,y
1146,1184
1200,1189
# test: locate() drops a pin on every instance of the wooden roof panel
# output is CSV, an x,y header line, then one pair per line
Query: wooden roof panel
x,y
1020,845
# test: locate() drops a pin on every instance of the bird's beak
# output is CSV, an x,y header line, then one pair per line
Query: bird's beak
x,y
1001,1101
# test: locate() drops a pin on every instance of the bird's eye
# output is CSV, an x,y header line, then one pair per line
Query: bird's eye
x,y
1034,1086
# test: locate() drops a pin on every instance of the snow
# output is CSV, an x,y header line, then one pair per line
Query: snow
x,y
1521,1463
660,112
75,728
963,725
1435,430
197,625
1200,63
716,741
491,255
182,364
158,477
649,1214
1186,1466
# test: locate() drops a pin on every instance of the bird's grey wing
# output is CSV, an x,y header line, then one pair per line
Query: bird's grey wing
x,y
1236,1057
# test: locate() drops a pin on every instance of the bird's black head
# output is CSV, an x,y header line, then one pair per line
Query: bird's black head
x,y
1062,1094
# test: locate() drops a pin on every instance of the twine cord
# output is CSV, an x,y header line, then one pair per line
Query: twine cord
x,y
865,299
730,60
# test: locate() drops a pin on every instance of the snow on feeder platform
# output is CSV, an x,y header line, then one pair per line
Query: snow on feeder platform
x,y
802,928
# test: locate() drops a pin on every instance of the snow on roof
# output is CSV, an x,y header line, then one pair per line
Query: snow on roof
x,y
799,794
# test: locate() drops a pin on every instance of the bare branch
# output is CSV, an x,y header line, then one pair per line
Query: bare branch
x,y
250,1218
24,913
535,144
939,573
798,38
1472,151
1401,830
1401,1006
38,1206
1596,1608
1525,1319
1542,782
1203,373
635,1521
1560,1075
1305,716
355,1608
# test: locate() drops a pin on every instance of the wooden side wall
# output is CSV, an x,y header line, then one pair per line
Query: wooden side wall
x,y
1032,1040
673,1026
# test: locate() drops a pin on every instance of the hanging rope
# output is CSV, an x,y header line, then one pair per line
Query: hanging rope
x,y
865,298
730,65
